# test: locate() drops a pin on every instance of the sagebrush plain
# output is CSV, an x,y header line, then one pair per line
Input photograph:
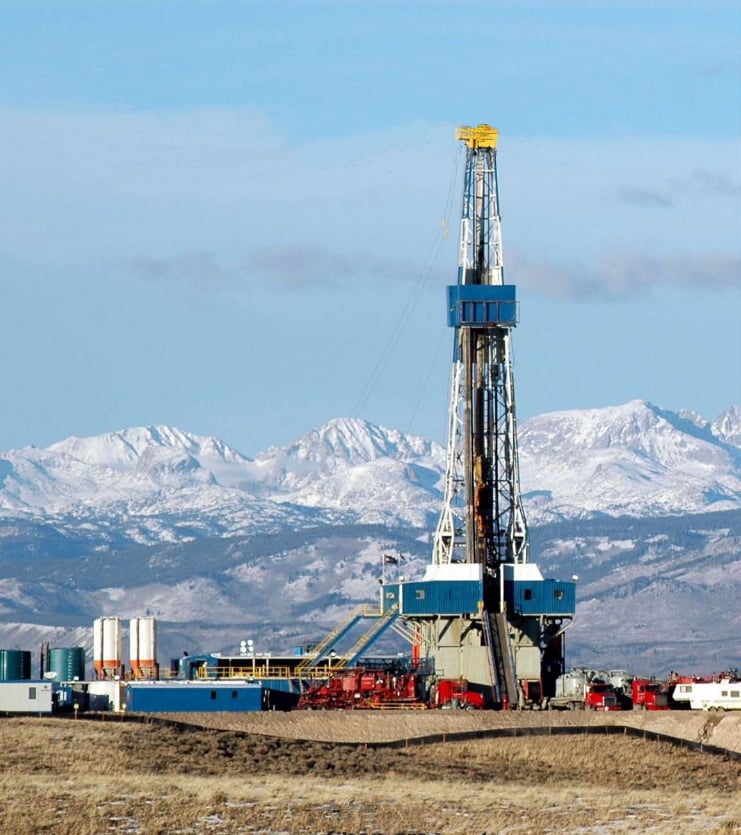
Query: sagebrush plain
x,y
65,776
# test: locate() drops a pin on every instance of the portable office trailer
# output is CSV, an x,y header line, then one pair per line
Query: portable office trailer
x,y
192,696
25,697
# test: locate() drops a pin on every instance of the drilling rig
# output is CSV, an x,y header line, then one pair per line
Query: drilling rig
x,y
483,612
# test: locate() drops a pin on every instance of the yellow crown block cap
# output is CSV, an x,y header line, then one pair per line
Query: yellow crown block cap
x,y
483,136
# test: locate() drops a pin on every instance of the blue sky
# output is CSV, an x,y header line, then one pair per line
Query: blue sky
x,y
231,216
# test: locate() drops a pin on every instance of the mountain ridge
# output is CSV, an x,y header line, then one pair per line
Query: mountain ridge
x,y
640,502
632,459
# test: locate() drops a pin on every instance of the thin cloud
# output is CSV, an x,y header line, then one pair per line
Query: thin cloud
x,y
716,182
305,267
700,182
290,267
624,277
194,267
644,197
299,266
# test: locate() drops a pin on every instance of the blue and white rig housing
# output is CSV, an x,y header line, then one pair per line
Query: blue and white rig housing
x,y
452,589
527,593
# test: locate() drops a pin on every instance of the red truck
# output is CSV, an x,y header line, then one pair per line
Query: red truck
x,y
578,690
600,695
649,695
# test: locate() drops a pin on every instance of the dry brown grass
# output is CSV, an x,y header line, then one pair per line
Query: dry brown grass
x,y
722,730
61,777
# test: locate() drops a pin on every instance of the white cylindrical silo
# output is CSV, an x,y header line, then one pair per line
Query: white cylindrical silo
x,y
107,646
143,645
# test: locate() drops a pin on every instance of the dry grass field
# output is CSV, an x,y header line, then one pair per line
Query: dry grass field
x,y
65,776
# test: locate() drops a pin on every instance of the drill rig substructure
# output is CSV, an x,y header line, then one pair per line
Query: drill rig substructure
x,y
510,643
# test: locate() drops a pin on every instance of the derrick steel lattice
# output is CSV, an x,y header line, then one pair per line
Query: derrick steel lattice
x,y
482,520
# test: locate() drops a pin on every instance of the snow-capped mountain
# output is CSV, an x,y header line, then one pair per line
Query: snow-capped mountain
x,y
727,426
154,484
633,498
634,460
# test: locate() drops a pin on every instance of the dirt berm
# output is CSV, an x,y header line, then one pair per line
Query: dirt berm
x,y
721,730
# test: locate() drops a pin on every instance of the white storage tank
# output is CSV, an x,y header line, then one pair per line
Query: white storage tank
x,y
107,647
143,647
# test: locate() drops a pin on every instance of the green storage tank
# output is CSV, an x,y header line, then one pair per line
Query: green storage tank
x,y
68,663
15,664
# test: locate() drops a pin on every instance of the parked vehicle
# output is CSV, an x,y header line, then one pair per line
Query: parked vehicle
x,y
583,690
711,695
649,695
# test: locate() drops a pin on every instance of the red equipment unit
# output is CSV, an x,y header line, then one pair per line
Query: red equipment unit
x,y
454,693
649,695
360,689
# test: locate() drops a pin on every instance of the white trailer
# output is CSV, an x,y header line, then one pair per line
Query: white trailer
x,y
710,695
25,697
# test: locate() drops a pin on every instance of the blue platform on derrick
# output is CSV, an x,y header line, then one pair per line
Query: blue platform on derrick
x,y
482,305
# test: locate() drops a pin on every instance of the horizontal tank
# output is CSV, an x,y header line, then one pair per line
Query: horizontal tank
x,y
571,685
15,664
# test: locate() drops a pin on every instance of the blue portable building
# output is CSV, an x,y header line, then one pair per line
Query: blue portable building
x,y
444,590
193,696
526,592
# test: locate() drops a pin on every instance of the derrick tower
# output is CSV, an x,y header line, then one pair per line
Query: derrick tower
x,y
483,611
482,520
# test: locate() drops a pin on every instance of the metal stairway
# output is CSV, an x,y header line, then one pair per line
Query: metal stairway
x,y
321,648
500,658
383,621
